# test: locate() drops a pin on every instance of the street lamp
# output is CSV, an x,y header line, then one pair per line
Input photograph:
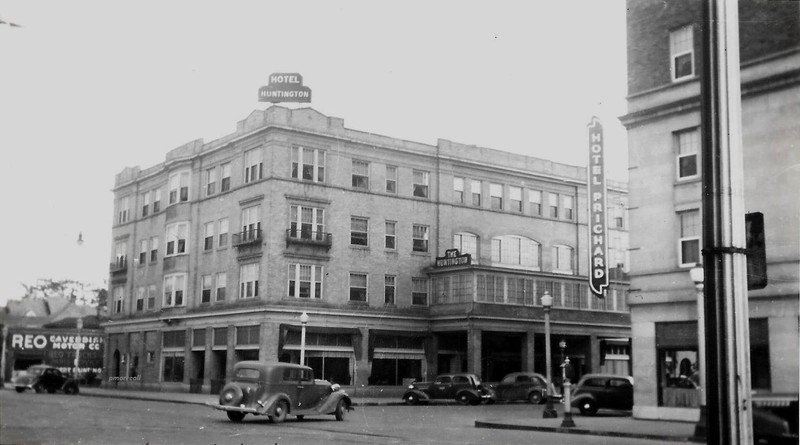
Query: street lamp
x,y
547,303
303,323
698,278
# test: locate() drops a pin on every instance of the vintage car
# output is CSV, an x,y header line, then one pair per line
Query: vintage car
x,y
275,390
528,386
463,388
595,391
42,378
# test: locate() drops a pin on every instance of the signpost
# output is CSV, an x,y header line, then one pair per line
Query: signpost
x,y
598,238
285,87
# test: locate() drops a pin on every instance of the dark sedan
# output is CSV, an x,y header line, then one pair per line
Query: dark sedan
x,y
42,378
528,386
596,391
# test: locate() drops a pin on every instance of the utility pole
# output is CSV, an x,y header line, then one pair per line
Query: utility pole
x,y
727,331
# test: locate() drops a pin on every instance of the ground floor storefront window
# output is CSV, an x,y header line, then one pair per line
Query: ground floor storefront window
x,y
173,366
394,371
332,369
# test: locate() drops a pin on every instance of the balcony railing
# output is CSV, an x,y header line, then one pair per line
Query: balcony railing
x,y
119,266
247,237
309,237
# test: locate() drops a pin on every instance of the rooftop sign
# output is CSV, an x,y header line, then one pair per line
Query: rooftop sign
x,y
284,87
452,257
598,238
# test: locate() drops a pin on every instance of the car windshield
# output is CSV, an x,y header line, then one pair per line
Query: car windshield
x,y
477,380
247,373
34,371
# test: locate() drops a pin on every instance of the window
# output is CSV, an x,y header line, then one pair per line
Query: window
x,y
146,203
391,235
553,201
515,199
211,181
248,280
223,232
178,187
476,193
208,241
253,165
222,283
617,215
174,287
391,179
420,238
120,255
535,202
176,238
123,210
308,164
419,291
225,183
496,195
142,252
205,293
305,281
568,204
421,182
467,243
562,259
490,288
251,223
389,288
458,190
689,242
119,299
173,366
681,49
153,249
360,174
140,295
358,287
156,200
512,250
688,143
307,222
359,231
248,335
152,291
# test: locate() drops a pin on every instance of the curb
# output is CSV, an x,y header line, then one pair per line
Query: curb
x,y
190,402
581,431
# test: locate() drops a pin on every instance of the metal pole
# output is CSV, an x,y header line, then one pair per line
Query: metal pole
x,y
3,357
78,346
697,278
303,323
549,411
567,422
727,332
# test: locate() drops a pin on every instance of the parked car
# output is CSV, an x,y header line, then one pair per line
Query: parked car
x,y
276,390
596,391
42,378
462,387
528,386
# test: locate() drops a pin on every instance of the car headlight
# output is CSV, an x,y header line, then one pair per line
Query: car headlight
x,y
228,396
335,387
410,386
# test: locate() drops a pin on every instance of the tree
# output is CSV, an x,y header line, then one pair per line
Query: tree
x,y
77,292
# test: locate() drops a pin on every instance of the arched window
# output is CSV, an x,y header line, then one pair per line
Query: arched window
x,y
513,250
562,257
467,243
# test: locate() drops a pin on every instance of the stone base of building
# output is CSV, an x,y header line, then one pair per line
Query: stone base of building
x,y
666,413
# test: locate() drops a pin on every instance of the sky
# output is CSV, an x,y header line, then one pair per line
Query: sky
x,y
88,88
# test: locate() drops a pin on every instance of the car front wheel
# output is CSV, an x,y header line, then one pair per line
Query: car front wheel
x,y
535,398
281,410
235,416
588,407
20,389
39,388
341,410
464,398
412,399
70,389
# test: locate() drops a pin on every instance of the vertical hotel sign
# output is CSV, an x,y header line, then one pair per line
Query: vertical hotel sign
x,y
598,238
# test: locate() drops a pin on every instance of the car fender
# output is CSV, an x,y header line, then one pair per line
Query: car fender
x,y
475,393
332,400
268,406
580,398
420,395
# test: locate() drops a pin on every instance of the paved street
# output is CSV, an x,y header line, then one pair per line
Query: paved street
x,y
55,419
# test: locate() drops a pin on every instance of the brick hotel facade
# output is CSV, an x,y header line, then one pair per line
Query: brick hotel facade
x,y
218,250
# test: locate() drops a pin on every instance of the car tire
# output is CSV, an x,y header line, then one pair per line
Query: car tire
x,y
20,389
235,416
70,390
588,407
341,410
235,393
51,390
38,388
412,399
300,417
535,398
464,398
281,410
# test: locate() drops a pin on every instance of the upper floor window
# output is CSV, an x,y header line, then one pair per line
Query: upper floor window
x,y
306,222
419,291
153,249
223,232
251,223
389,288
535,202
146,203
616,213
562,259
496,194
141,293
681,52
253,165
515,199
390,241
174,288
467,243
305,281
119,299
156,200
222,285
358,287
568,202
359,231
420,238
512,250
688,143
476,193
178,187
308,164
553,203
211,181
177,235
360,174
123,210
208,240
143,252
152,293
421,183
248,280
391,179
207,281
225,183
689,243
458,190
120,254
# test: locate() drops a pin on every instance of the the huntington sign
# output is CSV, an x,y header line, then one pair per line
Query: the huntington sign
x,y
284,87
598,252
452,257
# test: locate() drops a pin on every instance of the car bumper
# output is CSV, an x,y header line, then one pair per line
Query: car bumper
x,y
240,409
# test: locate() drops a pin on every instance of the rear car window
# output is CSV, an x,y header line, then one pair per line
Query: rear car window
x,y
595,382
523,379
247,373
443,380
460,379
619,383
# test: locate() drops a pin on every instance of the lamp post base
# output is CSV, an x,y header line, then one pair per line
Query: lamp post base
x,y
549,412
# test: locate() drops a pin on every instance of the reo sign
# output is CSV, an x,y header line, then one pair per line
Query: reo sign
x,y
284,87
598,264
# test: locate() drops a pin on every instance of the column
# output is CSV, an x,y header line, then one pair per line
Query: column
x,y
268,338
363,363
431,356
528,352
474,351
208,359
188,362
594,354
231,358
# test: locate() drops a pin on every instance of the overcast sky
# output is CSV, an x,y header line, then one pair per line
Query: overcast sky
x,y
90,87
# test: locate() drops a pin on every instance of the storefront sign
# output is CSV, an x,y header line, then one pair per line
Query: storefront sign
x,y
58,348
452,257
284,87
598,264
